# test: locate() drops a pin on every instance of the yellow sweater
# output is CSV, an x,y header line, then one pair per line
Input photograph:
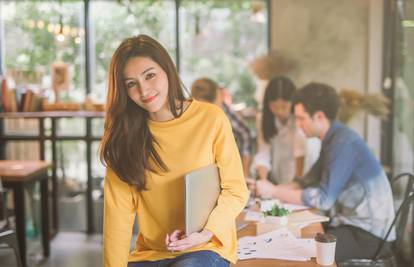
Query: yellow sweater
x,y
201,136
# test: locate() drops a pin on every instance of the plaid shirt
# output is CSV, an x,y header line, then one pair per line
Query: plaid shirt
x,y
240,131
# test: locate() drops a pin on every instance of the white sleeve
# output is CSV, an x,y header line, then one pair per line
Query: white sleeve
x,y
262,158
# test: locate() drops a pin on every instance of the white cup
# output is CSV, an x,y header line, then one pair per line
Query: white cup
x,y
325,249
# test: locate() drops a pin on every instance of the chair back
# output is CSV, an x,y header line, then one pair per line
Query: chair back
x,y
399,223
401,216
402,222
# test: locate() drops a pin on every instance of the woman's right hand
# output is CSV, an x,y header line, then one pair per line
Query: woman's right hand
x,y
177,241
174,236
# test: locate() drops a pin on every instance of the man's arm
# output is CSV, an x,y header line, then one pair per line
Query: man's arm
x,y
337,168
299,164
290,193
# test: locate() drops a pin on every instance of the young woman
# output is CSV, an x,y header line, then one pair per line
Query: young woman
x,y
153,137
282,154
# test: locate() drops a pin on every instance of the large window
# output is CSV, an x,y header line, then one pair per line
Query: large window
x,y
113,21
40,36
401,69
218,39
213,38
403,147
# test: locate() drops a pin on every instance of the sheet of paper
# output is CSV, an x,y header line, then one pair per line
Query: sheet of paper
x,y
294,207
253,216
278,244
306,217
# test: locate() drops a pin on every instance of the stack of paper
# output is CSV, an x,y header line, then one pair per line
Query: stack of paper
x,y
278,244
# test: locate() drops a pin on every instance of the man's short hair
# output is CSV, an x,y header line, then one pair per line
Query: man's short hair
x,y
318,97
205,89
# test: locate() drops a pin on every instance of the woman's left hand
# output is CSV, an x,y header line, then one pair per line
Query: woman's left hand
x,y
195,239
262,188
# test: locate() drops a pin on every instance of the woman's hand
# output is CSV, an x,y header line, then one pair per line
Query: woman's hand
x,y
177,241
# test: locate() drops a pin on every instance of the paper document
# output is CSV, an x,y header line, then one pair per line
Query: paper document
x,y
306,217
295,207
279,244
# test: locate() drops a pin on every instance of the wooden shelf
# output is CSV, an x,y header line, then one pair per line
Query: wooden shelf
x,y
53,114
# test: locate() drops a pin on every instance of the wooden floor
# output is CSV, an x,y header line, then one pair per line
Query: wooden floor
x,y
67,250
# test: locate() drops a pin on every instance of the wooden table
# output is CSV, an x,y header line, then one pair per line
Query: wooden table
x,y
307,232
16,175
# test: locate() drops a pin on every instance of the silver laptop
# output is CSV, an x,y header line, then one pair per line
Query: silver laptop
x,y
202,188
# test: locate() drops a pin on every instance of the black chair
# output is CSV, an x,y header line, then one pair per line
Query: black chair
x,y
7,234
399,222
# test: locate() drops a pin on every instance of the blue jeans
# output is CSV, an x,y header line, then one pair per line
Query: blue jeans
x,y
203,258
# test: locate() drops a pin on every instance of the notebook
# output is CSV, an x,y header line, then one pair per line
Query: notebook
x,y
202,189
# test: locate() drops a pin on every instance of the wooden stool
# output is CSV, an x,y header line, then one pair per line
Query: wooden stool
x,y
16,175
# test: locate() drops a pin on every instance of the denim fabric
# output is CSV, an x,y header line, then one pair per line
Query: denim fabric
x,y
348,180
204,258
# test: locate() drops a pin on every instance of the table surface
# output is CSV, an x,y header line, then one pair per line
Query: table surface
x,y
307,232
21,170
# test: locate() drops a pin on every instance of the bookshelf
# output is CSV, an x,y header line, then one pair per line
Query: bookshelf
x,y
43,136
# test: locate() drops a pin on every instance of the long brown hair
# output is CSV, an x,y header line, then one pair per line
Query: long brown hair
x,y
127,144
279,87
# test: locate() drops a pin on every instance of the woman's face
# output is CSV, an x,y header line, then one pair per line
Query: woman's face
x,y
280,108
147,85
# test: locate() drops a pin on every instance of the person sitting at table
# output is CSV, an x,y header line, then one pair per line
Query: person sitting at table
x,y
347,179
207,90
281,157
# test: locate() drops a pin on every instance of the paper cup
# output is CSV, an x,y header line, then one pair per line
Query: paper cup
x,y
325,249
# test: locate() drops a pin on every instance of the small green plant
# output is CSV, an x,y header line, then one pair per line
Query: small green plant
x,y
276,211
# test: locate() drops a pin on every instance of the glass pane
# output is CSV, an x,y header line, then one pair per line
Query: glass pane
x,y
22,150
116,20
98,127
44,50
71,126
403,128
98,170
33,221
19,126
218,39
98,173
403,156
71,173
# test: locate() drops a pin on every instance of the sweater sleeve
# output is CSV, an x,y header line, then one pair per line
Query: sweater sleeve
x,y
234,193
262,157
119,215
340,162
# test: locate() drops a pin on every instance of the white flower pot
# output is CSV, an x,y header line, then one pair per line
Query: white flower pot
x,y
281,220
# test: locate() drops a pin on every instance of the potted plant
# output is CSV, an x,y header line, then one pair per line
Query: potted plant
x,y
276,215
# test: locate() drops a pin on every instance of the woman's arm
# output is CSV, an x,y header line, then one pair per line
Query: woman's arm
x,y
262,172
299,164
119,215
262,162
234,193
